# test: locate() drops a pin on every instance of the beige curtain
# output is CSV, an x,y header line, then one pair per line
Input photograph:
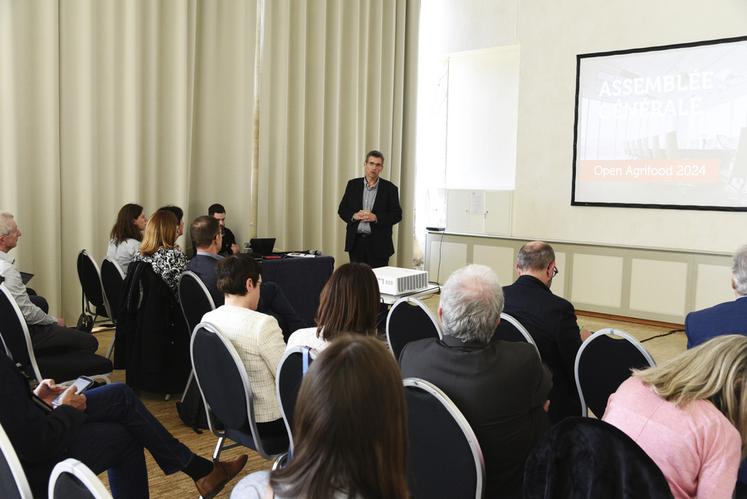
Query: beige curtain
x,y
104,102
338,79
129,101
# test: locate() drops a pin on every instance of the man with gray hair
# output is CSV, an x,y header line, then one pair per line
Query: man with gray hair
x,y
47,332
550,320
724,318
500,387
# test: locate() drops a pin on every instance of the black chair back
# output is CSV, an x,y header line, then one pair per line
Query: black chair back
x,y
291,370
587,457
409,320
510,329
603,363
112,279
90,283
444,459
13,482
194,299
225,388
14,331
72,479
59,366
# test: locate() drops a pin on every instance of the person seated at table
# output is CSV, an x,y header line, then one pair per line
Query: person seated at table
x,y
349,302
125,237
206,234
690,416
350,429
159,250
256,336
105,428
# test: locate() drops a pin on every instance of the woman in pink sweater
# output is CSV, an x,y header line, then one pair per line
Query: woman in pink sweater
x,y
690,416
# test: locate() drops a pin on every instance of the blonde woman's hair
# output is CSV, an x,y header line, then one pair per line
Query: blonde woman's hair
x,y
713,371
160,232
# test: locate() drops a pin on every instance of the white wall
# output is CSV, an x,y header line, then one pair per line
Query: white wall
x,y
550,34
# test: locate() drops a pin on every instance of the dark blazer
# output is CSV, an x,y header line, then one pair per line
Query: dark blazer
x,y
724,318
386,208
39,436
272,300
500,388
551,321
151,340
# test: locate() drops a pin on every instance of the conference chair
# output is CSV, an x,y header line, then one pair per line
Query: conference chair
x,y
587,457
227,394
13,482
602,363
62,367
112,280
195,301
291,370
93,298
409,320
510,329
444,458
72,479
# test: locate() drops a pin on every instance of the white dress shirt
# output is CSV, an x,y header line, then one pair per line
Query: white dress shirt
x,y
33,314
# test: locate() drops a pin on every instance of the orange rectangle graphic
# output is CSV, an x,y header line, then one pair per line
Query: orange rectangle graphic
x,y
702,171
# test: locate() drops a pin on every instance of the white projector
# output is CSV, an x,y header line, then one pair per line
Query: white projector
x,y
397,281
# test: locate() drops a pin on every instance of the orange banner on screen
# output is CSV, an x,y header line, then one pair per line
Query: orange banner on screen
x,y
701,171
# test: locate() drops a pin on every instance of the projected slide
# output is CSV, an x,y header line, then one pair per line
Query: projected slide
x,y
663,127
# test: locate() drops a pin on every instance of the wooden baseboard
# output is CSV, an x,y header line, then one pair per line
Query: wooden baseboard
x,y
634,320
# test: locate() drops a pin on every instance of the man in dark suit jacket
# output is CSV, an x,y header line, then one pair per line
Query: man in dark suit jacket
x,y
206,234
106,428
370,207
500,387
550,320
724,318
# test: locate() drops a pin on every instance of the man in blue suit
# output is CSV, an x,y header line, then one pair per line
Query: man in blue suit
x,y
724,318
206,233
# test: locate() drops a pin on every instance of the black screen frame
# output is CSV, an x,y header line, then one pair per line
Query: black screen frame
x,y
579,58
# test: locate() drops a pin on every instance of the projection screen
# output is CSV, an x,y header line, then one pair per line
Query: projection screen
x,y
662,127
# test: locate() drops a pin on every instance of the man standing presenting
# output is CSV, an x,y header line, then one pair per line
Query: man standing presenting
x,y
370,207
46,332
228,246
550,320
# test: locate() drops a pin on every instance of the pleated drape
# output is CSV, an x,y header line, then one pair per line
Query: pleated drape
x,y
191,102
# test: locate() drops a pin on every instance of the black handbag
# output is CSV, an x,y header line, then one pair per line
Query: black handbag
x,y
85,323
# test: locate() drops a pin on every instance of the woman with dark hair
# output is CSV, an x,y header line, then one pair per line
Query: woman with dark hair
x,y
350,429
125,237
159,250
690,416
349,303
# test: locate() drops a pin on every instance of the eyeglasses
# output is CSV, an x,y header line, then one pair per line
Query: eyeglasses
x,y
555,271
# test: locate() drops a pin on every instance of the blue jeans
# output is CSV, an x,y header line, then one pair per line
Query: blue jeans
x,y
119,426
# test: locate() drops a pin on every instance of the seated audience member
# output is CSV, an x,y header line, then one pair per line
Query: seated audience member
x,y
349,302
501,387
179,214
350,430
256,336
106,428
690,416
725,318
46,331
159,250
228,245
124,240
205,233
550,320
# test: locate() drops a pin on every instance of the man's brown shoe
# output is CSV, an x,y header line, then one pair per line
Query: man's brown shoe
x,y
212,483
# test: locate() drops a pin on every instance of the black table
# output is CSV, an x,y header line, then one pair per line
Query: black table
x,y
302,280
